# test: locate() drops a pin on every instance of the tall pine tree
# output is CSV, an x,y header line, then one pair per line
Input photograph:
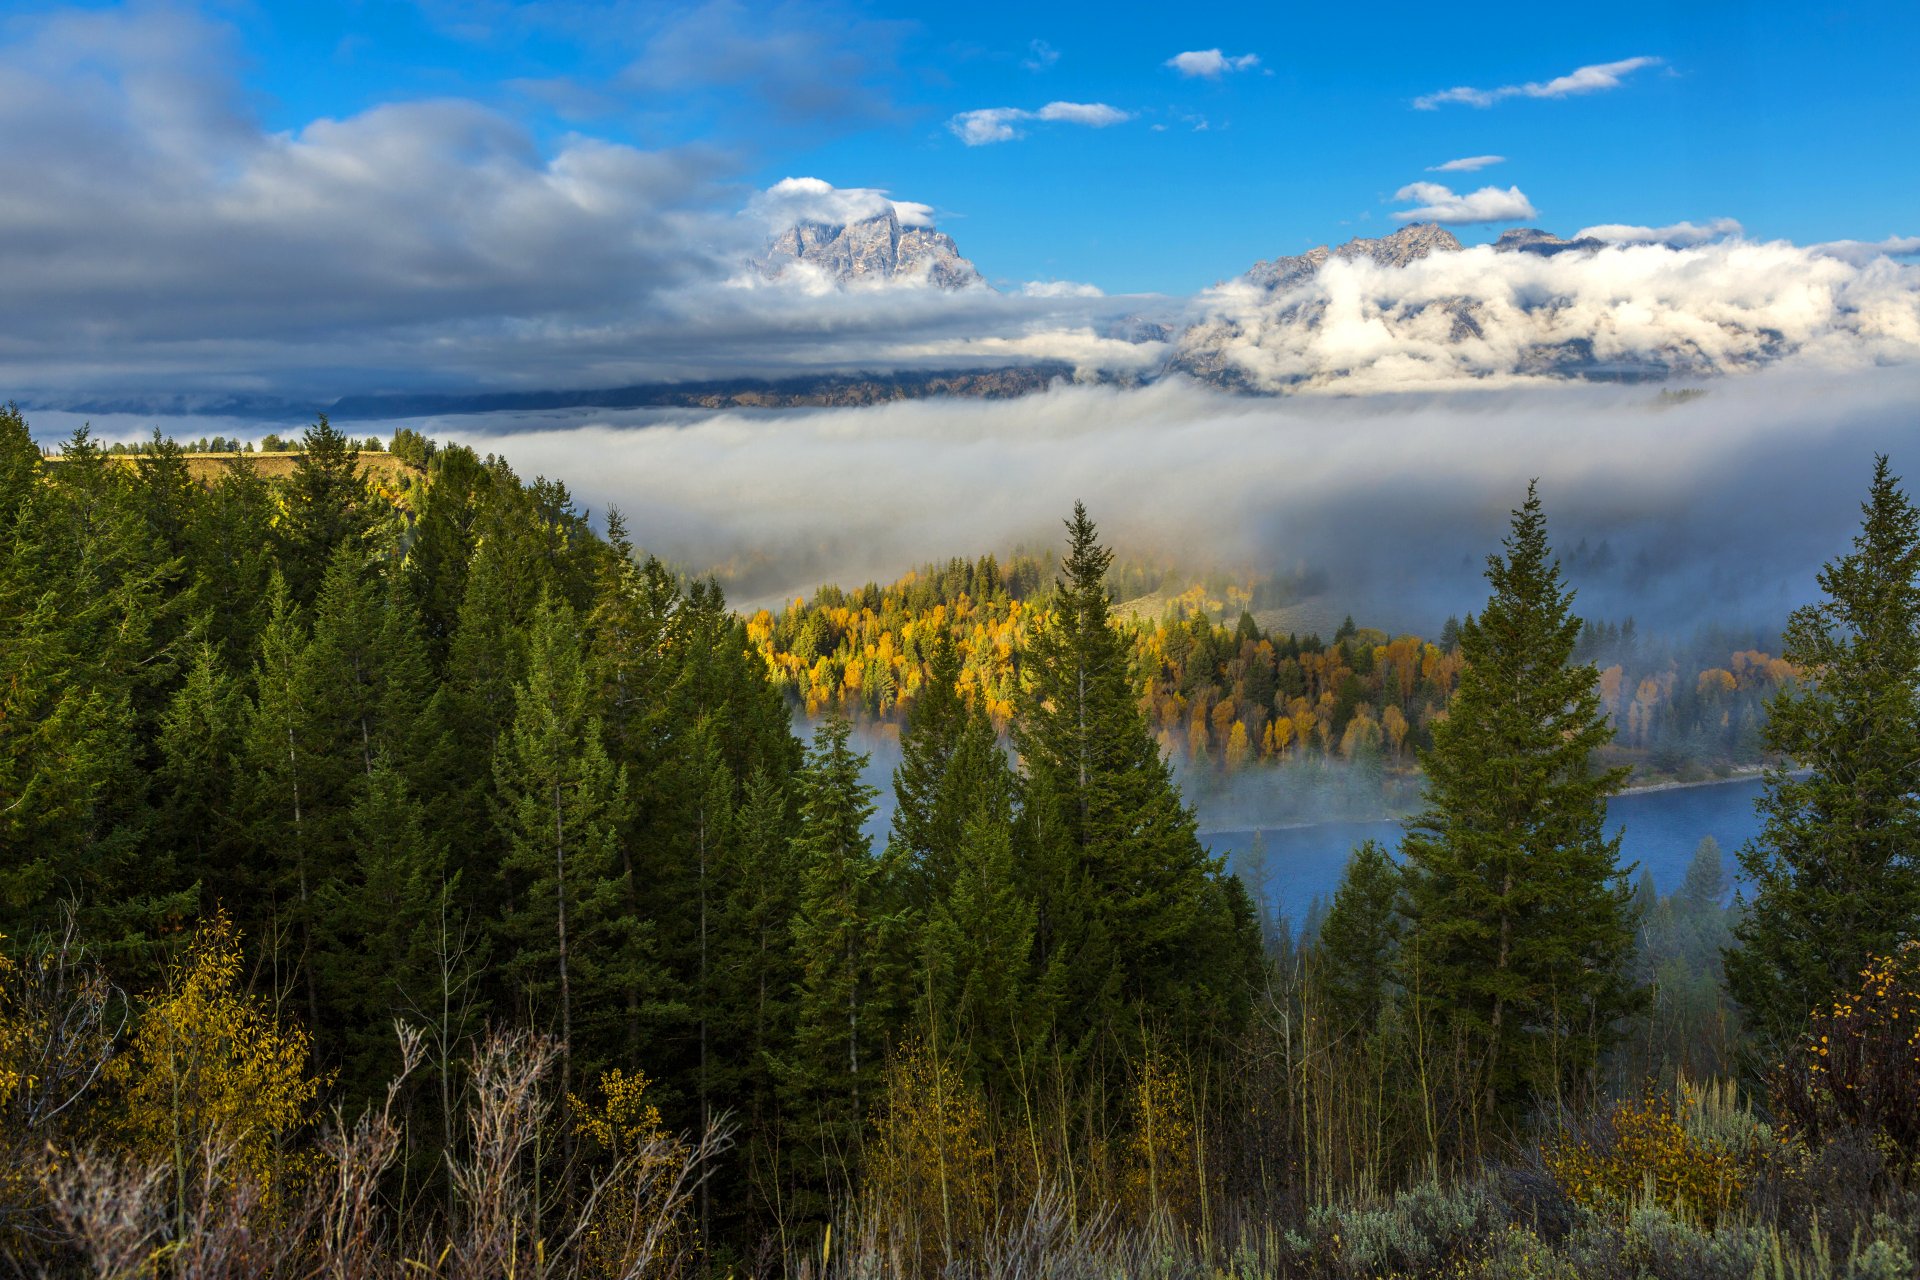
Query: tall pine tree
x,y
1520,934
1126,884
1835,869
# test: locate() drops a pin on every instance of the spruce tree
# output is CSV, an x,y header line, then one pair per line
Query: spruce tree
x,y
929,812
839,1035
755,981
560,801
1149,904
326,508
378,927
1836,868
979,946
1520,934
1359,941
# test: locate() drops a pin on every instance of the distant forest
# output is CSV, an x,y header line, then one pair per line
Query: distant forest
x,y
399,877
1231,695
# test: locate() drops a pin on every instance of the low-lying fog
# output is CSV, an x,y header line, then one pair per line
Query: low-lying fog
x,y
1715,502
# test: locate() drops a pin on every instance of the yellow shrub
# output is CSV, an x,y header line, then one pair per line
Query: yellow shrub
x,y
930,1171
14,1035
1161,1173
211,1075
632,1139
1653,1156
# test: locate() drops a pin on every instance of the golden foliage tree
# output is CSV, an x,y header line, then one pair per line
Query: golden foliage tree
x,y
931,1170
212,1077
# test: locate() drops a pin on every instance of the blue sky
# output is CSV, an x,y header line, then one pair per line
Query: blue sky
x,y
1788,118
234,198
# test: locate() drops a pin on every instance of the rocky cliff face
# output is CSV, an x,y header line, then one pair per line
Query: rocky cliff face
x,y
1544,243
873,250
1408,244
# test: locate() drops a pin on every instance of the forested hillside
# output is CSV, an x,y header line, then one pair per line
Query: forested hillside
x,y
408,880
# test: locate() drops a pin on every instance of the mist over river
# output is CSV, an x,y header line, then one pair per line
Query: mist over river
x,y
1659,830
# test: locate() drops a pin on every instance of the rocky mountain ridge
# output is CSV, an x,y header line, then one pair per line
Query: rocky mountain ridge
x,y
872,250
1408,244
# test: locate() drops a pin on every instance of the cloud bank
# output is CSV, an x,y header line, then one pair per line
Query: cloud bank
x,y
1494,318
1396,500
1597,78
1678,235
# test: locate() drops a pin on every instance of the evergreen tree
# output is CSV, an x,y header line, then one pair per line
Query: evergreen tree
x,y
379,926
559,806
1836,868
201,823
326,509
1359,940
284,757
1520,931
980,948
1705,886
838,1035
1128,847
929,815
755,981
231,561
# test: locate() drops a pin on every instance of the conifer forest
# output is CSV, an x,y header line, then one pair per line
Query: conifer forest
x,y
404,876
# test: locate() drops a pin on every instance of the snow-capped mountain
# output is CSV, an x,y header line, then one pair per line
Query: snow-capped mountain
x,y
872,250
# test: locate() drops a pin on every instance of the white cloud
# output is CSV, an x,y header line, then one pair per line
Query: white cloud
x,y
1680,235
1002,124
1453,209
1466,164
1096,115
792,201
1060,289
1591,79
1396,500
1862,252
1040,56
1211,64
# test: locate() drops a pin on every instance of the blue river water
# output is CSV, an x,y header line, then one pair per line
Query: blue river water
x,y
1659,830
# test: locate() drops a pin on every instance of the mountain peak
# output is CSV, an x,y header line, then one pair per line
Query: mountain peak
x,y
1544,243
1408,244
875,249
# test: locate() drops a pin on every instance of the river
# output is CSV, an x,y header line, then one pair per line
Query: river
x,y
1659,831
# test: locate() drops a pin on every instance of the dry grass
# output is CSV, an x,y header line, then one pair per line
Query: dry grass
x,y
207,468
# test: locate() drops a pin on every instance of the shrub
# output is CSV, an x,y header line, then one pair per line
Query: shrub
x,y
1858,1065
1685,1154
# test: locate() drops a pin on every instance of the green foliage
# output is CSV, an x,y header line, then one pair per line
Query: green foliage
x,y
561,800
838,1044
1149,927
1359,941
1836,869
1519,933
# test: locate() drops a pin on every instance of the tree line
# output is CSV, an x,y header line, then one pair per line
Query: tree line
x,y
1223,698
